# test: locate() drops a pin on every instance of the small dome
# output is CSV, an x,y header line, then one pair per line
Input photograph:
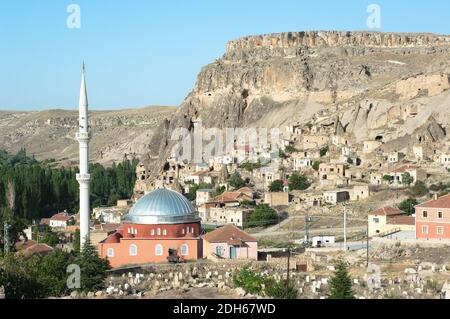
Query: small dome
x,y
162,206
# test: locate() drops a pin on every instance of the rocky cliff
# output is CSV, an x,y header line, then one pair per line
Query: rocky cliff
x,y
374,83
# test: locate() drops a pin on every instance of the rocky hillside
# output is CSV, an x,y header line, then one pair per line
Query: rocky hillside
x,y
51,134
372,83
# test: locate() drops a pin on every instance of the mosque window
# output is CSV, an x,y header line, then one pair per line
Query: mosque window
x,y
165,232
183,231
184,250
110,252
133,250
159,231
152,232
192,230
158,250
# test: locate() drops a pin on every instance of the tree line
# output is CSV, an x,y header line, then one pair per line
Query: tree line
x,y
31,189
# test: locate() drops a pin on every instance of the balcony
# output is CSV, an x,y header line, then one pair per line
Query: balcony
x,y
83,177
83,136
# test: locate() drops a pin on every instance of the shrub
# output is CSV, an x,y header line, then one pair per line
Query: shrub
x,y
280,290
248,280
276,186
408,205
298,182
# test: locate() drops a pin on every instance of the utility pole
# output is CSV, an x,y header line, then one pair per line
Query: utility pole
x,y
6,238
367,245
306,228
345,229
288,268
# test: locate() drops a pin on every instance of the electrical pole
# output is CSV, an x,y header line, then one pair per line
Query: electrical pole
x,y
6,238
367,245
288,268
306,228
345,229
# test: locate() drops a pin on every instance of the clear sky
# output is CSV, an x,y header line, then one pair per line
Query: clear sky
x,y
148,52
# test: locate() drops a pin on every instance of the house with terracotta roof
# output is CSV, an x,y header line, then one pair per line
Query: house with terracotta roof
x,y
60,220
418,174
229,242
30,248
387,220
433,218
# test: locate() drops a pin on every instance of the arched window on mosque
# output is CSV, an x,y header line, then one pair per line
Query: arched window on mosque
x,y
110,252
165,232
158,250
183,231
133,250
159,231
184,250
152,232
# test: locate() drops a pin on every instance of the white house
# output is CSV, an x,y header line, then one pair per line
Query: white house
x,y
60,220
321,241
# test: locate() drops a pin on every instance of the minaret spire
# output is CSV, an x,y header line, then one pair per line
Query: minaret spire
x,y
83,178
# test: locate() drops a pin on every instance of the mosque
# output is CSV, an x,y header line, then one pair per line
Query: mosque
x,y
162,224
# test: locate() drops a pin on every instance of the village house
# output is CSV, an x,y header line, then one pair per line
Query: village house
x,y
302,163
29,248
203,196
101,232
229,242
276,199
395,157
444,159
359,192
418,174
226,215
269,174
376,178
110,215
387,220
371,146
196,177
335,197
331,170
60,220
338,140
433,218
315,141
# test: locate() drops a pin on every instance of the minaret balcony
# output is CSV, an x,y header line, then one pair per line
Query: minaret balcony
x,y
83,136
83,177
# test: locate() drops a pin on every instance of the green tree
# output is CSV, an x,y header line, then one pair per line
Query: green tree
x,y
93,268
341,283
324,151
263,215
388,178
236,181
276,186
407,179
408,205
316,166
290,149
298,182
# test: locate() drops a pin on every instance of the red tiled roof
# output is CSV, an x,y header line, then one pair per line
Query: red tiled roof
x,y
61,217
228,233
113,238
45,221
24,244
404,168
401,220
38,249
386,211
441,202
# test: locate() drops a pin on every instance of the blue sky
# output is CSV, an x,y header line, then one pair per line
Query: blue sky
x,y
142,53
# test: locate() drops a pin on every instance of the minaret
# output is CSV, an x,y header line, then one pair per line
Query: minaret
x,y
83,177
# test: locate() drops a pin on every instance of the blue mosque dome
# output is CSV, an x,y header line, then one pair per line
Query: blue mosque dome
x,y
162,206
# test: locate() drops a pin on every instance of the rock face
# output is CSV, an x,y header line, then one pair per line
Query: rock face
x,y
372,83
